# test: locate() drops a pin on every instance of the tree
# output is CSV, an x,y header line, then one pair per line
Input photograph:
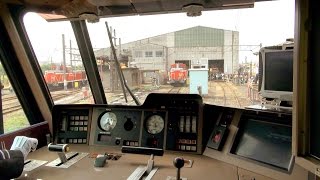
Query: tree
x,y
45,67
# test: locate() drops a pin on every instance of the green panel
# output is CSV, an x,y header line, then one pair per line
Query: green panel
x,y
199,37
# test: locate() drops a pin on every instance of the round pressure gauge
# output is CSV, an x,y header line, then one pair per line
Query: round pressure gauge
x,y
107,121
154,124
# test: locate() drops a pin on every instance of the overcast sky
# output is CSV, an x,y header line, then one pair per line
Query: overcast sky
x,y
269,23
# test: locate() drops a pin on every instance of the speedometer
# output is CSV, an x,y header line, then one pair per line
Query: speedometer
x,y
107,121
154,124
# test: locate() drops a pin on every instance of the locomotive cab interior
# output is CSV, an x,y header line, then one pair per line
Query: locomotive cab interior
x,y
167,135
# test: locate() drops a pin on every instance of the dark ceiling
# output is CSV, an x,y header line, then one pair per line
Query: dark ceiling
x,y
61,9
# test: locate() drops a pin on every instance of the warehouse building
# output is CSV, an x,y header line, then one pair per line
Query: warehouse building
x,y
220,47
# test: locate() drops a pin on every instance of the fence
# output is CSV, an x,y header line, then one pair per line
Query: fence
x,y
253,93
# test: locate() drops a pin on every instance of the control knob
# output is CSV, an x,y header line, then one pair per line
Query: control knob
x,y
178,162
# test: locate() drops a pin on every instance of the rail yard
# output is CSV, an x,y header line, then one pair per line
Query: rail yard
x,y
221,93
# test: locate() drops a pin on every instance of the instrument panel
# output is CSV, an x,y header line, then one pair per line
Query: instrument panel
x,y
115,126
170,123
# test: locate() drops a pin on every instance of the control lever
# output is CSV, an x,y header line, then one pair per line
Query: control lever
x,y
61,149
178,162
66,158
149,170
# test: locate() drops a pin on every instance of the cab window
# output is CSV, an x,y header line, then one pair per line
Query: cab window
x,y
58,56
12,115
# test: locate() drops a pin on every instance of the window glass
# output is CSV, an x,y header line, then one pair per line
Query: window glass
x,y
215,55
148,54
58,55
159,53
138,54
14,117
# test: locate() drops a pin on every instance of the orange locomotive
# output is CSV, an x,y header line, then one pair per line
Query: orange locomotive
x,y
55,78
178,74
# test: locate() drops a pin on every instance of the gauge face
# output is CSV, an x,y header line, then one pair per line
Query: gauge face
x,y
108,121
154,124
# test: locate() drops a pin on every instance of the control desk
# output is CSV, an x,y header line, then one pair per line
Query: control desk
x,y
126,142
202,168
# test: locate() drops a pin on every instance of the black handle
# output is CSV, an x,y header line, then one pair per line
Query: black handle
x,y
142,150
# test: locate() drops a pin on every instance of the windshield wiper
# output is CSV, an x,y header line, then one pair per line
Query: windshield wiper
x,y
119,70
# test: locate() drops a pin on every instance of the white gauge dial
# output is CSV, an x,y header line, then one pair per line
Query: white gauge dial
x,y
154,124
108,121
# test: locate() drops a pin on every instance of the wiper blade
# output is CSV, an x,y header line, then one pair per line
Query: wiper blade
x,y
119,70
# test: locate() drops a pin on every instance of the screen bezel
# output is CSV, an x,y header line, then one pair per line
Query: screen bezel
x,y
281,95
264,118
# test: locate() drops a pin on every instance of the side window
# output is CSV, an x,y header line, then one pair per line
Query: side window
x,y
58,55
13,116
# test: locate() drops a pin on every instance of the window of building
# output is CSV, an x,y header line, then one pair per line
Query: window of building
x,y
148,54
138,54
159,53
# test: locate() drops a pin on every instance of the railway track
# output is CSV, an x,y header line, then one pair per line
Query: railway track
x,y
119,98
228,94
8,97
174,90
236,97
225,95
11,107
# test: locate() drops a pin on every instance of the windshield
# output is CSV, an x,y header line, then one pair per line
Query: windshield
x,y
214,55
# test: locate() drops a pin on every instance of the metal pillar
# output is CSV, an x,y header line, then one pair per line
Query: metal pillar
x,y
89,61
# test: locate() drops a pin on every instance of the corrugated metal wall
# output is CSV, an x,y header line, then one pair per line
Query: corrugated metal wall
x,y
187,44
199,37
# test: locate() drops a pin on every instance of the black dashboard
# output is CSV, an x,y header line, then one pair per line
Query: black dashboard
x,y
169,122
181,123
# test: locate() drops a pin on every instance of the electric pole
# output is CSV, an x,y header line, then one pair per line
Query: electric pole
x,y
64,63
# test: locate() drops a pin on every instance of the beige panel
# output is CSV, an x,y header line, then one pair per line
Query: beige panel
x,y
203,167
248,175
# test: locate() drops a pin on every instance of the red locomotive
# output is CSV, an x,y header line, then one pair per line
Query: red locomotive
x,y
178,74
55,78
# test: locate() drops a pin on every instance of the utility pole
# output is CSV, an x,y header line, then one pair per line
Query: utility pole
x,y
1,110
111,62
250,68
64,63
70,51
232,54
70,54
114,37
119,51
120,73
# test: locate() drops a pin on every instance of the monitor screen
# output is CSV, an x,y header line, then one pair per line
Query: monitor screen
x,y
278,71
266,142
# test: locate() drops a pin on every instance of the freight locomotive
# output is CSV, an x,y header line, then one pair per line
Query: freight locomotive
x,y
74,78
178,74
